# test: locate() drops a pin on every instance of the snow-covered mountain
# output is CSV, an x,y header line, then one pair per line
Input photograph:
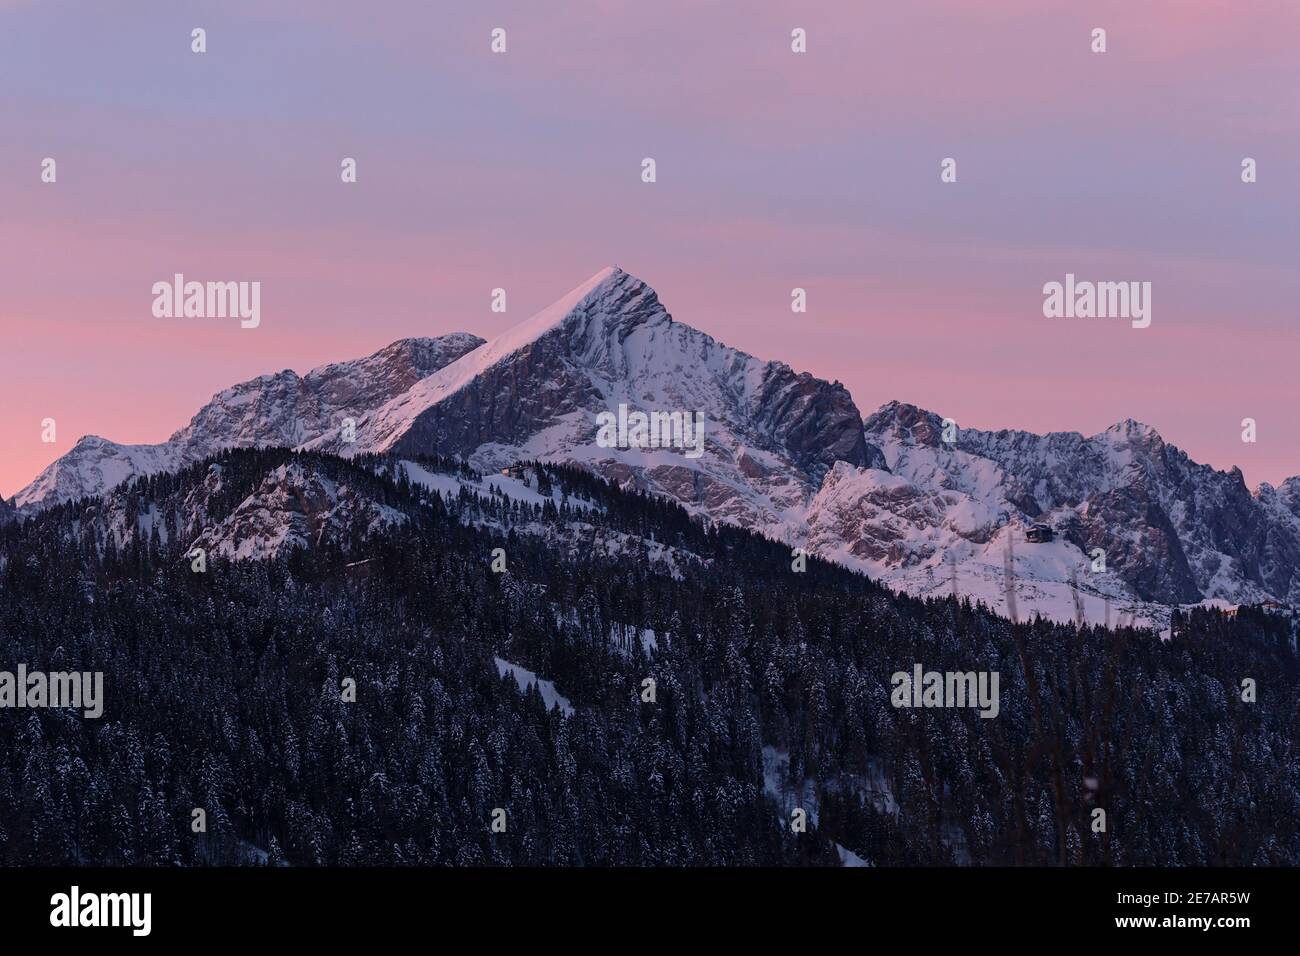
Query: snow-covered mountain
x,y
1173,530
535,392
784,452
284,409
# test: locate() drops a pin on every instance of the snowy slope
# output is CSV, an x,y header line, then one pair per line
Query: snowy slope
x,y
525,678
934,542
93,466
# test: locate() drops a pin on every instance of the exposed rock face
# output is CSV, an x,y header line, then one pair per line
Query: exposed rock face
x,y
814,422
296,506
1279,539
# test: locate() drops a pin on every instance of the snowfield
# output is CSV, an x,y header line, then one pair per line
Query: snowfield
x,y
526,678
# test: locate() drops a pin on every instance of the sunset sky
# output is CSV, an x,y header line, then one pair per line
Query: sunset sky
x,y
775,170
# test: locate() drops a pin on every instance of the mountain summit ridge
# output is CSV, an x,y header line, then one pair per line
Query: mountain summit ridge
x,y
784,452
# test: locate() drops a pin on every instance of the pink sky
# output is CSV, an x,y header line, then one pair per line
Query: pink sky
x,y
775,170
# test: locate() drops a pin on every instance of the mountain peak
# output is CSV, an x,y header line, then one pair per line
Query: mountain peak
x,y
903,420
1132,428
609,295
554,314
539,390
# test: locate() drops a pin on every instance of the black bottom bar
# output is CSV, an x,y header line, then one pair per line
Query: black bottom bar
x,y
534,906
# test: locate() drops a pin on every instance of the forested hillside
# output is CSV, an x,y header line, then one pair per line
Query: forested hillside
x,y
225,691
